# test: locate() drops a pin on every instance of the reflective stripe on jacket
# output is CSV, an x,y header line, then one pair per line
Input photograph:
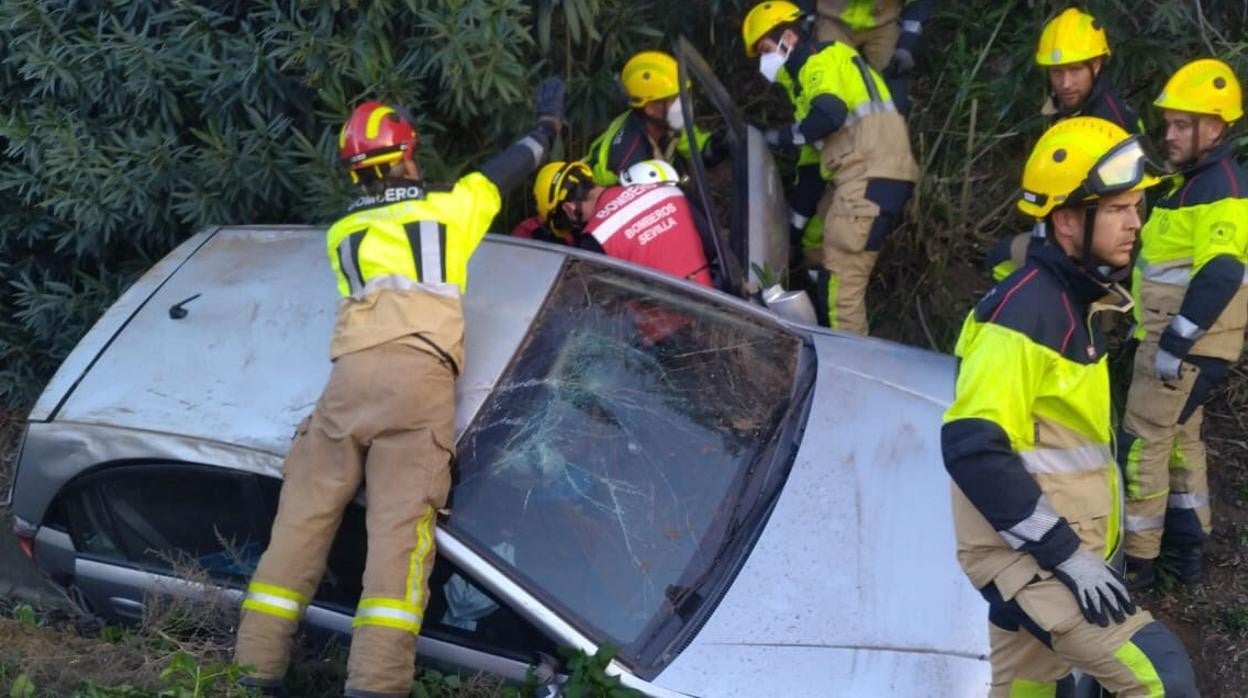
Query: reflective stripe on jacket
x,y
873,141
626,143
401,260
650,225
1193,251
1028,437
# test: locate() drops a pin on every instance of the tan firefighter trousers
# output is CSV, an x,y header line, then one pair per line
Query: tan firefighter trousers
x,y
876,44
1163,458
384,420
1039,635
848,216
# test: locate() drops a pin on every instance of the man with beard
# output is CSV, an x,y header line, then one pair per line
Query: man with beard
x,y
1191,307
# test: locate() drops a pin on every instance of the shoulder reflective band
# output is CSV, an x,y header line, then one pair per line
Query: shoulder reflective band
x,y
620,218
427,240
349,260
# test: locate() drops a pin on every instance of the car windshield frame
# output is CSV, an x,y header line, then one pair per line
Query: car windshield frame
x,y
738,517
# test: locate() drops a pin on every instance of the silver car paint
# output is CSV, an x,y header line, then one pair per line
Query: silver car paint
x,y
853,580
864,518
767,214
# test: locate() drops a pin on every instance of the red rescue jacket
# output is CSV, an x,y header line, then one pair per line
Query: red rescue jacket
x,y
650,225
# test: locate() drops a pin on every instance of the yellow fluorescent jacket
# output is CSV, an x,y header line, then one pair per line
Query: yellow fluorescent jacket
x,y
1027,440
401,260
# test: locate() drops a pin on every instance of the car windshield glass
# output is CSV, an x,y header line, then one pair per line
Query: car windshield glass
x,y
610,458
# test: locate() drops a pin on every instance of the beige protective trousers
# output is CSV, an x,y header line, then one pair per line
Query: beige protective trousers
x,y
1163,457
876,44
847,217
1040,635
384,420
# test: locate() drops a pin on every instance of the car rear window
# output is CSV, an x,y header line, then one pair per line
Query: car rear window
x,y
611,456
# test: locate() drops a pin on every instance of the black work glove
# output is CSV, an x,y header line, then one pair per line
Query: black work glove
x,y
1098,588
549,101
901,63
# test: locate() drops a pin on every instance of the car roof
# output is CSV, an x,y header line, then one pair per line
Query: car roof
x,y
249,358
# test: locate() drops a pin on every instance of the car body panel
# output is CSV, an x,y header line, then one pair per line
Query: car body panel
x,y
101,333
858,557
863,519
253,398
762,670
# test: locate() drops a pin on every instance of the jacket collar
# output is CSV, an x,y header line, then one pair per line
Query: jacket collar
x,y
1213,157
391,192
801,52
1083,288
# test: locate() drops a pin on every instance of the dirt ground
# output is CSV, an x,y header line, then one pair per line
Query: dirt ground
x,y
1212,617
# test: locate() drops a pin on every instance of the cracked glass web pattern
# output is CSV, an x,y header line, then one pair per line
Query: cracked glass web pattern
x,y
611,454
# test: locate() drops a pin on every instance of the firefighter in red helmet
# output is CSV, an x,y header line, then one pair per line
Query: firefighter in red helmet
x,y
385,419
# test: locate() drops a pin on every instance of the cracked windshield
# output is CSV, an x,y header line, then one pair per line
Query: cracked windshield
x,y
607,461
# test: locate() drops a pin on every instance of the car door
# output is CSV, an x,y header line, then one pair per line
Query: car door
x,y
135,527
135,530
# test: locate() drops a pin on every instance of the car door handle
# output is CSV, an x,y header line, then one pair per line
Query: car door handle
x,y
127,607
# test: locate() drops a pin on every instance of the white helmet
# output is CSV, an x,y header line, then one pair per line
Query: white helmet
x,y
650,172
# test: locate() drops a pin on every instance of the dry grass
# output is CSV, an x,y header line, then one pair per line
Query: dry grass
x,y
58,661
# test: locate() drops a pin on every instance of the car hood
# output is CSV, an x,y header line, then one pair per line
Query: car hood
x,y
249,357
853,586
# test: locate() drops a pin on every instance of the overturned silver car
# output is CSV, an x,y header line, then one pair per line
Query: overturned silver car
x,y
741,505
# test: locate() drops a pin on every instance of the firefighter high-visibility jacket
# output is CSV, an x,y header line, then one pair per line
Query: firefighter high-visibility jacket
x,y
844,116
626,143
845,123
651,225
860,15
1103,102
1193,251
1027,440
401,258
401,254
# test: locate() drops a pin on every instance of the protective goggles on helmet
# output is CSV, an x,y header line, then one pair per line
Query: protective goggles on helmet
x,y
1121,169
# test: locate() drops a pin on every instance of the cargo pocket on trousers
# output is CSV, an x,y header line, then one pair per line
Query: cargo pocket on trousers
x,y
1155,401
847,233
1050,604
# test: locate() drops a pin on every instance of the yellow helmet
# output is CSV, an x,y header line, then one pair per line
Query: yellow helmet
x,y
1071,37
763,18
648,76
1204,86
1082,159
555,182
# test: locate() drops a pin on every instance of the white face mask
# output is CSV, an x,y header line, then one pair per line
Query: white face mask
x,y
675,115
769,64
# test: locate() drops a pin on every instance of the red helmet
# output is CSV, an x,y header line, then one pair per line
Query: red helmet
x,y
375,136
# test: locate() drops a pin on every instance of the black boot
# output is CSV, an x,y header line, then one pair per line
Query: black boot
x,y
1184,560
1140,573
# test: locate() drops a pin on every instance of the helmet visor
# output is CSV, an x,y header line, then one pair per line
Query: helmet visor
x,y
1120,169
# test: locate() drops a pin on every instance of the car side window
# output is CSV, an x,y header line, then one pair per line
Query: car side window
x,y
459,611
170,518
163,517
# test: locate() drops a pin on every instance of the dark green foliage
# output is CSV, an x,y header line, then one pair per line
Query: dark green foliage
x,y
980,57
588,677
127,126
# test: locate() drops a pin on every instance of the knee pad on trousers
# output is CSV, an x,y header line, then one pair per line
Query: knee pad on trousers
x,y
1169,659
